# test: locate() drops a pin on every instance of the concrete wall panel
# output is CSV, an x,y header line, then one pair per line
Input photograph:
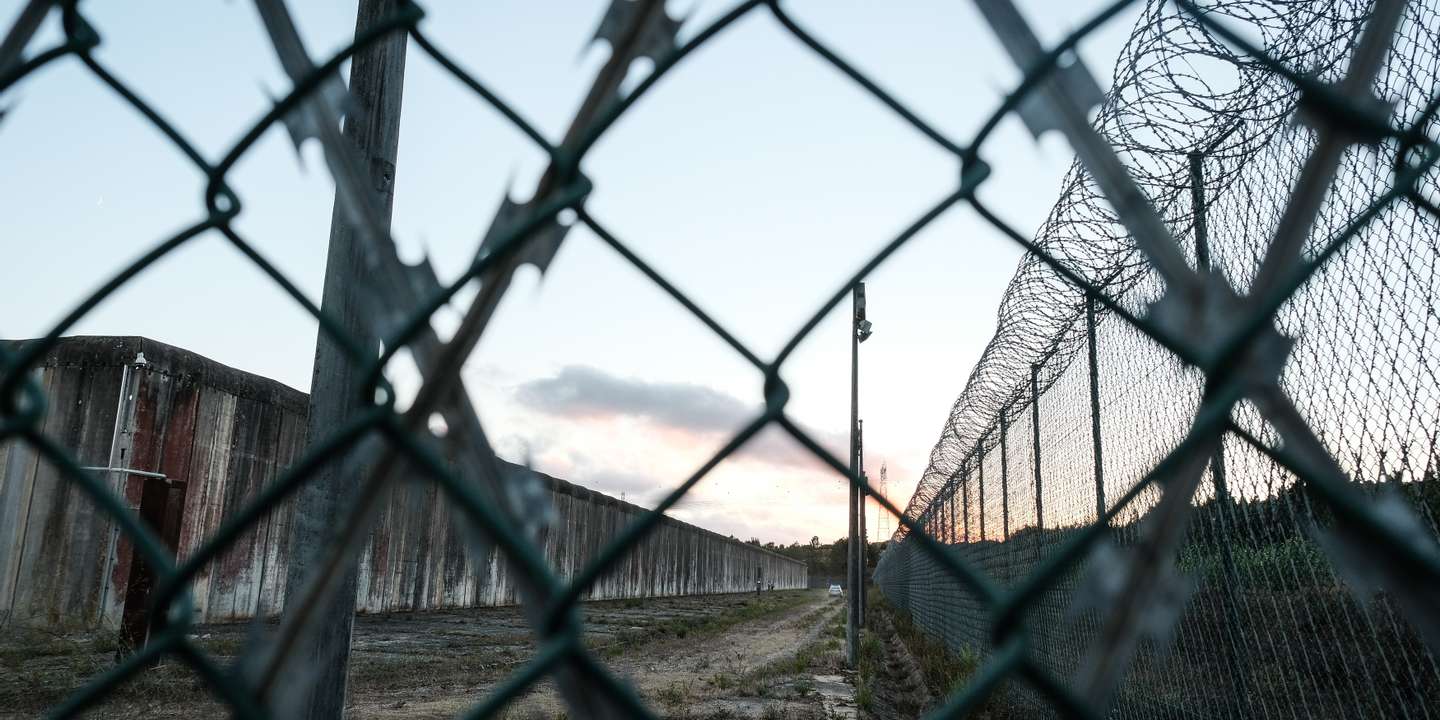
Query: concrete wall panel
x,y
221,436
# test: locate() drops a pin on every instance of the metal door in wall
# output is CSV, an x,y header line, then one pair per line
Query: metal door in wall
x,y
162,503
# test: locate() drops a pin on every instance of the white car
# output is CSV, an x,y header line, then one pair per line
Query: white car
x,y
835,589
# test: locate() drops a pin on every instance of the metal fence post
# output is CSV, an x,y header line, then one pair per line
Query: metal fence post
x,y
1004,475
1197,211
938,529
932,516
950,510
852,574
862,553
938,526
953,523
935,513
1235,659
377,75
940,513
980,483
1035,423
1095,407
863,550
965,499
950,523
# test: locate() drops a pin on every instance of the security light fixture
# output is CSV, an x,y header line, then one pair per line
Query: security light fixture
x,y
862,326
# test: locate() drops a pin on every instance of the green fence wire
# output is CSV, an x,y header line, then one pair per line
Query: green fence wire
x,y
1216,332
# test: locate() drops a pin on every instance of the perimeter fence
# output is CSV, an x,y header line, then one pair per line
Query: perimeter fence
x,y
1263,606
1222,336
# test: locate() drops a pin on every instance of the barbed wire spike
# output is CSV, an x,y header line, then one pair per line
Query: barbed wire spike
x,y
392,312
1369,571
304,122
423,280
12,46
318,117
655,35
540,244
1104,583
1073,77
1215,314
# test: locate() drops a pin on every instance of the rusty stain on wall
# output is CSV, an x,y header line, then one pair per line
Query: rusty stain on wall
x,y
219,436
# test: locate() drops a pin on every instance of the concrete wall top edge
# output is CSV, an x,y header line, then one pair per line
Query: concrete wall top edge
x,y
565,487
116,351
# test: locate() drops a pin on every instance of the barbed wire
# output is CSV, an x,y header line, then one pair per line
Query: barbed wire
x,y
1196,317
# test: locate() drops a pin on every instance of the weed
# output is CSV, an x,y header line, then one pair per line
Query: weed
x,y
865,697
676,694
943,670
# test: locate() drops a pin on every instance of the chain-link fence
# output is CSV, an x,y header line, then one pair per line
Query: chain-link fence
x,y
1047,468
1208,330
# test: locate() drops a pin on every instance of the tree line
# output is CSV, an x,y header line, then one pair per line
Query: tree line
x,y
825,560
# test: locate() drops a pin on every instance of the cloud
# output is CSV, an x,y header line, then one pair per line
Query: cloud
x,y
579,391
584,393
642,438
774,445
574,463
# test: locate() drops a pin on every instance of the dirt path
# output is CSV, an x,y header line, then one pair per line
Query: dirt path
x,y
763,667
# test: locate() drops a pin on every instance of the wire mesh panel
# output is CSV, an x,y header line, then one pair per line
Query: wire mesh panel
x,y
1266,405
1254,611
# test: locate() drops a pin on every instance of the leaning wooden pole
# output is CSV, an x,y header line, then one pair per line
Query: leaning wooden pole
x,y
377,75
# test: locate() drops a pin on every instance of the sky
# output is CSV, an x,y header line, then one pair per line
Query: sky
x,y
754,176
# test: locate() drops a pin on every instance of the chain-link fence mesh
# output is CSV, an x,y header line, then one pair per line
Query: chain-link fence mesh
x,y
1362,323
1257,622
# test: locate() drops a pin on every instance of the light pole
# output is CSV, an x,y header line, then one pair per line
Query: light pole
x,y
863,554
860,329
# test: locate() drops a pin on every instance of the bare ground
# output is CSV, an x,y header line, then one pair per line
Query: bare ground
x,y
727,656
760,667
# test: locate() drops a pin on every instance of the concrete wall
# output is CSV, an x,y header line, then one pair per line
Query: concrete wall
x,y
220,435
217,434
425,564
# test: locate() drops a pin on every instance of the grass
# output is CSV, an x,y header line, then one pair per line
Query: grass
x,y
1288,565
41,667
871,660
677,694
944,670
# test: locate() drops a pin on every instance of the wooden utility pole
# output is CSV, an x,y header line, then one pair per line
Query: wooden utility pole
x,y
377,75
